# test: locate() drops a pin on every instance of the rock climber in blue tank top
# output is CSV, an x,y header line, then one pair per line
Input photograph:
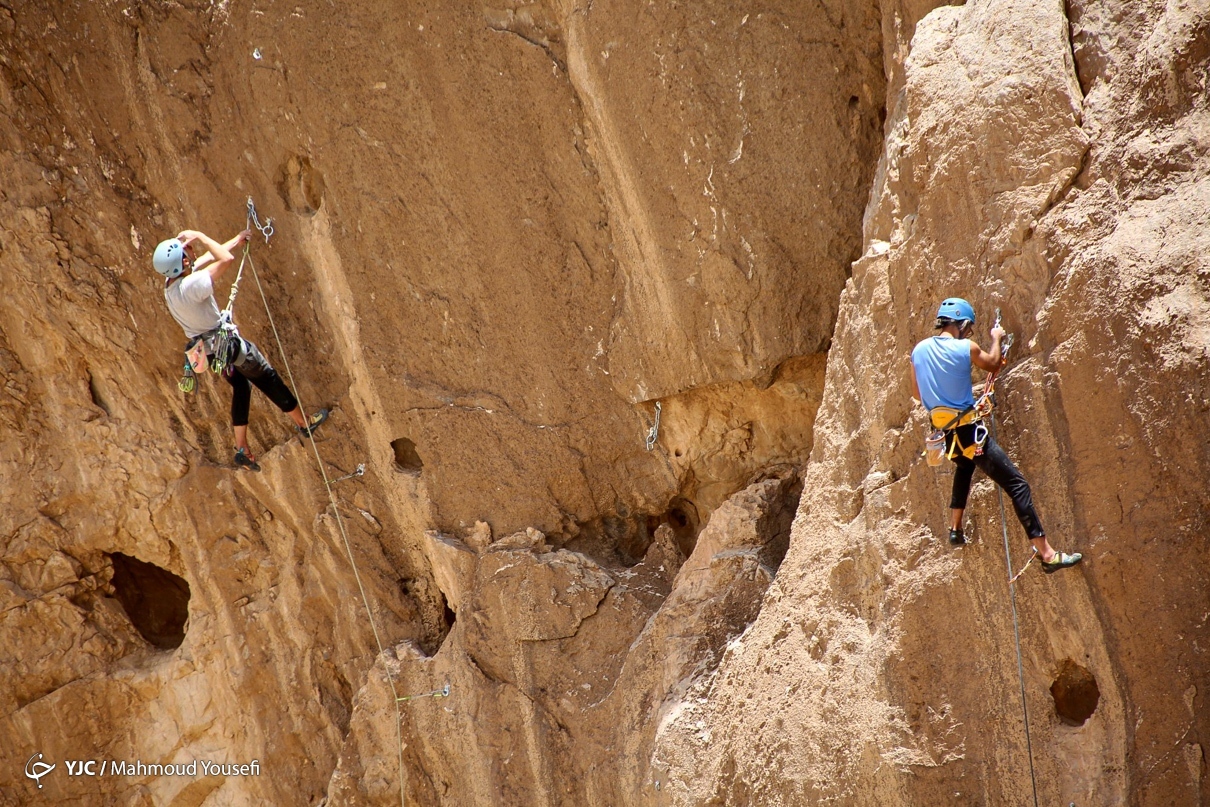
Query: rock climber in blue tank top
x,y
941,370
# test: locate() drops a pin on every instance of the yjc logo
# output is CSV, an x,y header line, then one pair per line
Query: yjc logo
x,y
36,770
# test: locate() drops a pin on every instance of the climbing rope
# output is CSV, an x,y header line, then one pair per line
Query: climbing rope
x,y
227,335
1012,590
1032,555
1012,597
267,230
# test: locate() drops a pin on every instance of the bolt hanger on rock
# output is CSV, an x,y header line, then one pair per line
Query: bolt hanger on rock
x,y
444,692
361,469
653,433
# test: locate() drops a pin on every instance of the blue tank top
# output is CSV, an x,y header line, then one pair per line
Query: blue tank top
x,y
943,372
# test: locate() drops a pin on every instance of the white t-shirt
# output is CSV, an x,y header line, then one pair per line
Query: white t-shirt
x,y
191,303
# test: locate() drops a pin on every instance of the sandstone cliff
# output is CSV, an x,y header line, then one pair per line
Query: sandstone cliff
x,y
503,234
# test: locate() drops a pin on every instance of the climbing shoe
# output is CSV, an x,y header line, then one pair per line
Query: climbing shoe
x,y
313,423
1061,560
244,459
957,538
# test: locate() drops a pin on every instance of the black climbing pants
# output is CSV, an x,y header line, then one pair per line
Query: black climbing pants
x,y
996,464
250,367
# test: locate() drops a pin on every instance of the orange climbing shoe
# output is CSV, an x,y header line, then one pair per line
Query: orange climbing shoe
x,y
313,423
244,459
1061,560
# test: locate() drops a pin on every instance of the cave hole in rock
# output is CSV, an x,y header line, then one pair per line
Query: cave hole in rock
x,y
406,458
427,603
448,618
629,535
625,536
779,522
682,517
622,537
1075,692
155,599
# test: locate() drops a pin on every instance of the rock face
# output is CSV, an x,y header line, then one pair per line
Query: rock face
x,y
1056,178
604,296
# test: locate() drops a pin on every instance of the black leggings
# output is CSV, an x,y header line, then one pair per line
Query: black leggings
x,y
996,464
251,366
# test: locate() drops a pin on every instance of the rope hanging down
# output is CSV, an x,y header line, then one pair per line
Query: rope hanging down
x,y
267,230
1012,590
225,339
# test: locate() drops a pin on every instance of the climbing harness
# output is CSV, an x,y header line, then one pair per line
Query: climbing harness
x,y
267,230
945,441
359,472
654,432
444,692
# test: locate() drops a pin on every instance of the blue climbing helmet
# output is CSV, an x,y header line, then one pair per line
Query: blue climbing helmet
x,y
168,259
955,309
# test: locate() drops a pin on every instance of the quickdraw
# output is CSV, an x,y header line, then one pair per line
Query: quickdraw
x,y
653,433
361,470
987,401
444,692
188,382
1016,576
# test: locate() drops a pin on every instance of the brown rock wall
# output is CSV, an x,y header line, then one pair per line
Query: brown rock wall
x,y
459,195
889,657
504,233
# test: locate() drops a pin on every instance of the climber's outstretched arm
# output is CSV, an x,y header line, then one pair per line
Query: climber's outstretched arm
x,y
218,257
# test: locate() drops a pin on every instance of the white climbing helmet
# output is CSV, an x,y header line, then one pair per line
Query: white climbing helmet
x,y
169,258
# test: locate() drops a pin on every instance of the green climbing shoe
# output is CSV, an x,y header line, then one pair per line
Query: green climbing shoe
x,y
1061,560
313,423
